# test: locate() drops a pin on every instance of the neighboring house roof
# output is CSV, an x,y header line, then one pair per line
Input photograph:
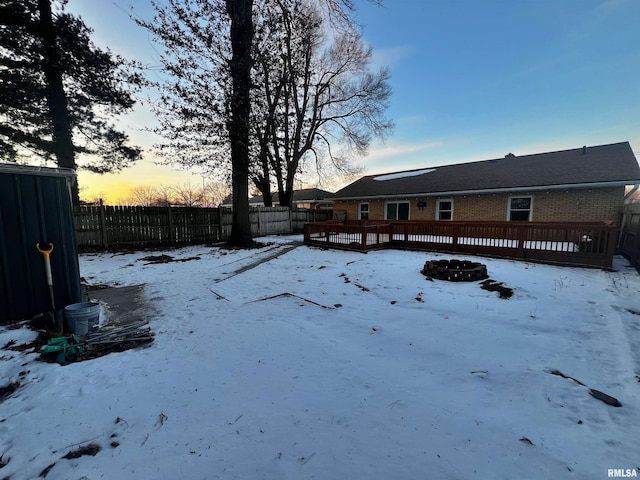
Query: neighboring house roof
x,y
598,166
228,200
303,195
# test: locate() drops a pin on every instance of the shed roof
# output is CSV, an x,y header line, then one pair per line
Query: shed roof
x,y
18,169
597,166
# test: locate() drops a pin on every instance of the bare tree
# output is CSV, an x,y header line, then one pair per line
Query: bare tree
x,y
188,194
143,196
214,193
206,107
316,96
165,196
240,14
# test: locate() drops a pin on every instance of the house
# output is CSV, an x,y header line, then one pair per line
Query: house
x,y
584,184
227,202
310,198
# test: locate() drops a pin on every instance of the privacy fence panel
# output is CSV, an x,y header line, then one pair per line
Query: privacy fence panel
x,y
270,220
629,241
102,227
300,216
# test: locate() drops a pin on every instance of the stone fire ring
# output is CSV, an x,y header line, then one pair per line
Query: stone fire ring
x,y
455,270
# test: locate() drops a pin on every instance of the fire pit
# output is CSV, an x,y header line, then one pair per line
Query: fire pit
x,y
455,270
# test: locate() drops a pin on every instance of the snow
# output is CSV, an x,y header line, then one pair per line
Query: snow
x,y
366,371
394,176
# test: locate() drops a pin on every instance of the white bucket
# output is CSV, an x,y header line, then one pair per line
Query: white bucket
x,y
82,318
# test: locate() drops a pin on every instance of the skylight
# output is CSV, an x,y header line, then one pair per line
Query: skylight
x,y
393,176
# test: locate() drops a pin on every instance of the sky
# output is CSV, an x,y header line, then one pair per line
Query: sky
x,y
365,370
472,80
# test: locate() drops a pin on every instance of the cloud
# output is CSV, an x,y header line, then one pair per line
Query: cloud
x,y
387,152
386,57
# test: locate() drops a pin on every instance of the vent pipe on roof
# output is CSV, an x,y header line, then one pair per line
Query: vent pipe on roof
x,y
584,150
509,155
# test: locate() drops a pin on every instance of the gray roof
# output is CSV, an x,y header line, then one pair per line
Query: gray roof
x,y
303,195
598,166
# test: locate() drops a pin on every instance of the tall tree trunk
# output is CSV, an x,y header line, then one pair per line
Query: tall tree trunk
x,y
56,97
241,34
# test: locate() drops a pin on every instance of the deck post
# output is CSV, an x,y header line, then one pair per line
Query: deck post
x,y
455,233
522,238
363,243
611,244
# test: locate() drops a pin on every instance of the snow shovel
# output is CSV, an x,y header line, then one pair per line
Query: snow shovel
x,y
53,318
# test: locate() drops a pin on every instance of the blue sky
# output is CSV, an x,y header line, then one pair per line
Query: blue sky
x,y
471,79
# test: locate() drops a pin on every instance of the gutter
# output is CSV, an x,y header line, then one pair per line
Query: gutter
x,y
497,190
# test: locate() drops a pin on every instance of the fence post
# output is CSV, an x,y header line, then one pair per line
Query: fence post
x,y
455,233
103,227
290,220
172,235
220,231
522,238
611,246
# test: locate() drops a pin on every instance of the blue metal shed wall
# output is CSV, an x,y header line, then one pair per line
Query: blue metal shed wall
x,y
35,208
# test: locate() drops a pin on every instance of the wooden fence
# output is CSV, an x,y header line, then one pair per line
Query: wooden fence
x,y
105,227
629,241
586,244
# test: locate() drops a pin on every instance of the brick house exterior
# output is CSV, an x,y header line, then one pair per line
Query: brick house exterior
x,y
579,185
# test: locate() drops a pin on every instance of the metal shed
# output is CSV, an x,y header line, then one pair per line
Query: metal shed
x,y
35,207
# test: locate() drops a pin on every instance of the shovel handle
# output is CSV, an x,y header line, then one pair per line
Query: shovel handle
x,y
45,252
47,262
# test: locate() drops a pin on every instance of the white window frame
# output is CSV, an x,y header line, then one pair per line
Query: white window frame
x,y
360,205
530,197
397,203
438,209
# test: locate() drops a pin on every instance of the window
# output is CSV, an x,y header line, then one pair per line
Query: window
x,y
519,209
396,211
444,210
363,212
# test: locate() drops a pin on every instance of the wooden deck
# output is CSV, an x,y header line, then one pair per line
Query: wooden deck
x,y
579,244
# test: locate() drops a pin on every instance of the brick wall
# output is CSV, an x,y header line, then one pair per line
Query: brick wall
x,y
581,205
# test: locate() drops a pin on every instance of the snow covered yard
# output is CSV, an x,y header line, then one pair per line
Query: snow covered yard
x,y
363,370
